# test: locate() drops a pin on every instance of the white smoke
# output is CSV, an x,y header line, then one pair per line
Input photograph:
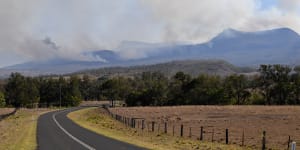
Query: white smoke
x,y
194,20
43,29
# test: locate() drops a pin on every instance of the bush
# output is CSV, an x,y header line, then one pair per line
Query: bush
x,y
257,99
75,100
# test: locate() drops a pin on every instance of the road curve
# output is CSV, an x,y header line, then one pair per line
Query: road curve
x,y
55,131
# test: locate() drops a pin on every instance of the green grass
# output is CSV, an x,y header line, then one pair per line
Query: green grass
x,y
18,132
95,119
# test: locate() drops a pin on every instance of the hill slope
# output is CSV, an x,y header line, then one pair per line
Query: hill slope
x,y
192,67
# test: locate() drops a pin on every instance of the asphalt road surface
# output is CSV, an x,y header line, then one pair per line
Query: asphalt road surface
x,y
56,132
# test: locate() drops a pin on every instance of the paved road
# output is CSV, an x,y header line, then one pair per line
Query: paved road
x,y
56,132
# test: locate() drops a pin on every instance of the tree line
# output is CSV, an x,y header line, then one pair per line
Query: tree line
x,y
273,85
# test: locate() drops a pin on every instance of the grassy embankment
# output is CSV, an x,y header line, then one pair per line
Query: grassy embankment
x,y
19,130
98,121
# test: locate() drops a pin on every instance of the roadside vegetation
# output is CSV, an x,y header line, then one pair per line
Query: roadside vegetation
x,y
97,120
19,130
273,85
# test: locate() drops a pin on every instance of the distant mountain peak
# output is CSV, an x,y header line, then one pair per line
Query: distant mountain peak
x,y
284,31
231,30
272,33
229,33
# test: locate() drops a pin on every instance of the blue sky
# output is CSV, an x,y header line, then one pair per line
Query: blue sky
x,y
266,4
75,26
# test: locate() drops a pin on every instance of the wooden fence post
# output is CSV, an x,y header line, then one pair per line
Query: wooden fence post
x,y
173,129
148,128
143,124
181,130
133,123
153,126
190,134
158,128
264,141
212,135
166,129
243,137
201,133
289,142
226,136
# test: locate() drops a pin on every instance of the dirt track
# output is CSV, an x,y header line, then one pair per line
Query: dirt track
x,y
279,122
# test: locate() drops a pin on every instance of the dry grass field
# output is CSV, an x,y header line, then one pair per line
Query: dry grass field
x,y
279,122
18,131
98,120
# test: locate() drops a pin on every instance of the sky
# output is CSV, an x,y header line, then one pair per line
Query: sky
x,y
44,29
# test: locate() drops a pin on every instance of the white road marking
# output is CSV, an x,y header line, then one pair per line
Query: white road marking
x,y
69,134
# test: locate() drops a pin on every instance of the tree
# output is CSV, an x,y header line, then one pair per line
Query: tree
x,y
295,86
32,95
155,89
236,89
205,90
275,84
297,69
2,100
60,92
73,95
50,92
86,88
21,91
149,89
110,90
177,89
15,90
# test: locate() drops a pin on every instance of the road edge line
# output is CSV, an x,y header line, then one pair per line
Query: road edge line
x,y
69,134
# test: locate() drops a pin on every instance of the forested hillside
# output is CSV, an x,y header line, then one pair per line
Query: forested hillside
x,y
191,67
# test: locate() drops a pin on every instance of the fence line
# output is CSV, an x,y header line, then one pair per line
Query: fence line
x,y
205,133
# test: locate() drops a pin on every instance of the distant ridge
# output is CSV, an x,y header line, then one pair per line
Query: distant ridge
x,y
192,67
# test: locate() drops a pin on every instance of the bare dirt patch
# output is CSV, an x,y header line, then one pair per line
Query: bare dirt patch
x,y
279,122
93,103
4,111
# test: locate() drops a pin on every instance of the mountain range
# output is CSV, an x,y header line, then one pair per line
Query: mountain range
x,y
276,46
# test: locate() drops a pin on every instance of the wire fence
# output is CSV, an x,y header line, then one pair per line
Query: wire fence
x,y
246,137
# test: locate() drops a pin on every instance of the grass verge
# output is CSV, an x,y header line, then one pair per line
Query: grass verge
x,y
19,130
97,120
